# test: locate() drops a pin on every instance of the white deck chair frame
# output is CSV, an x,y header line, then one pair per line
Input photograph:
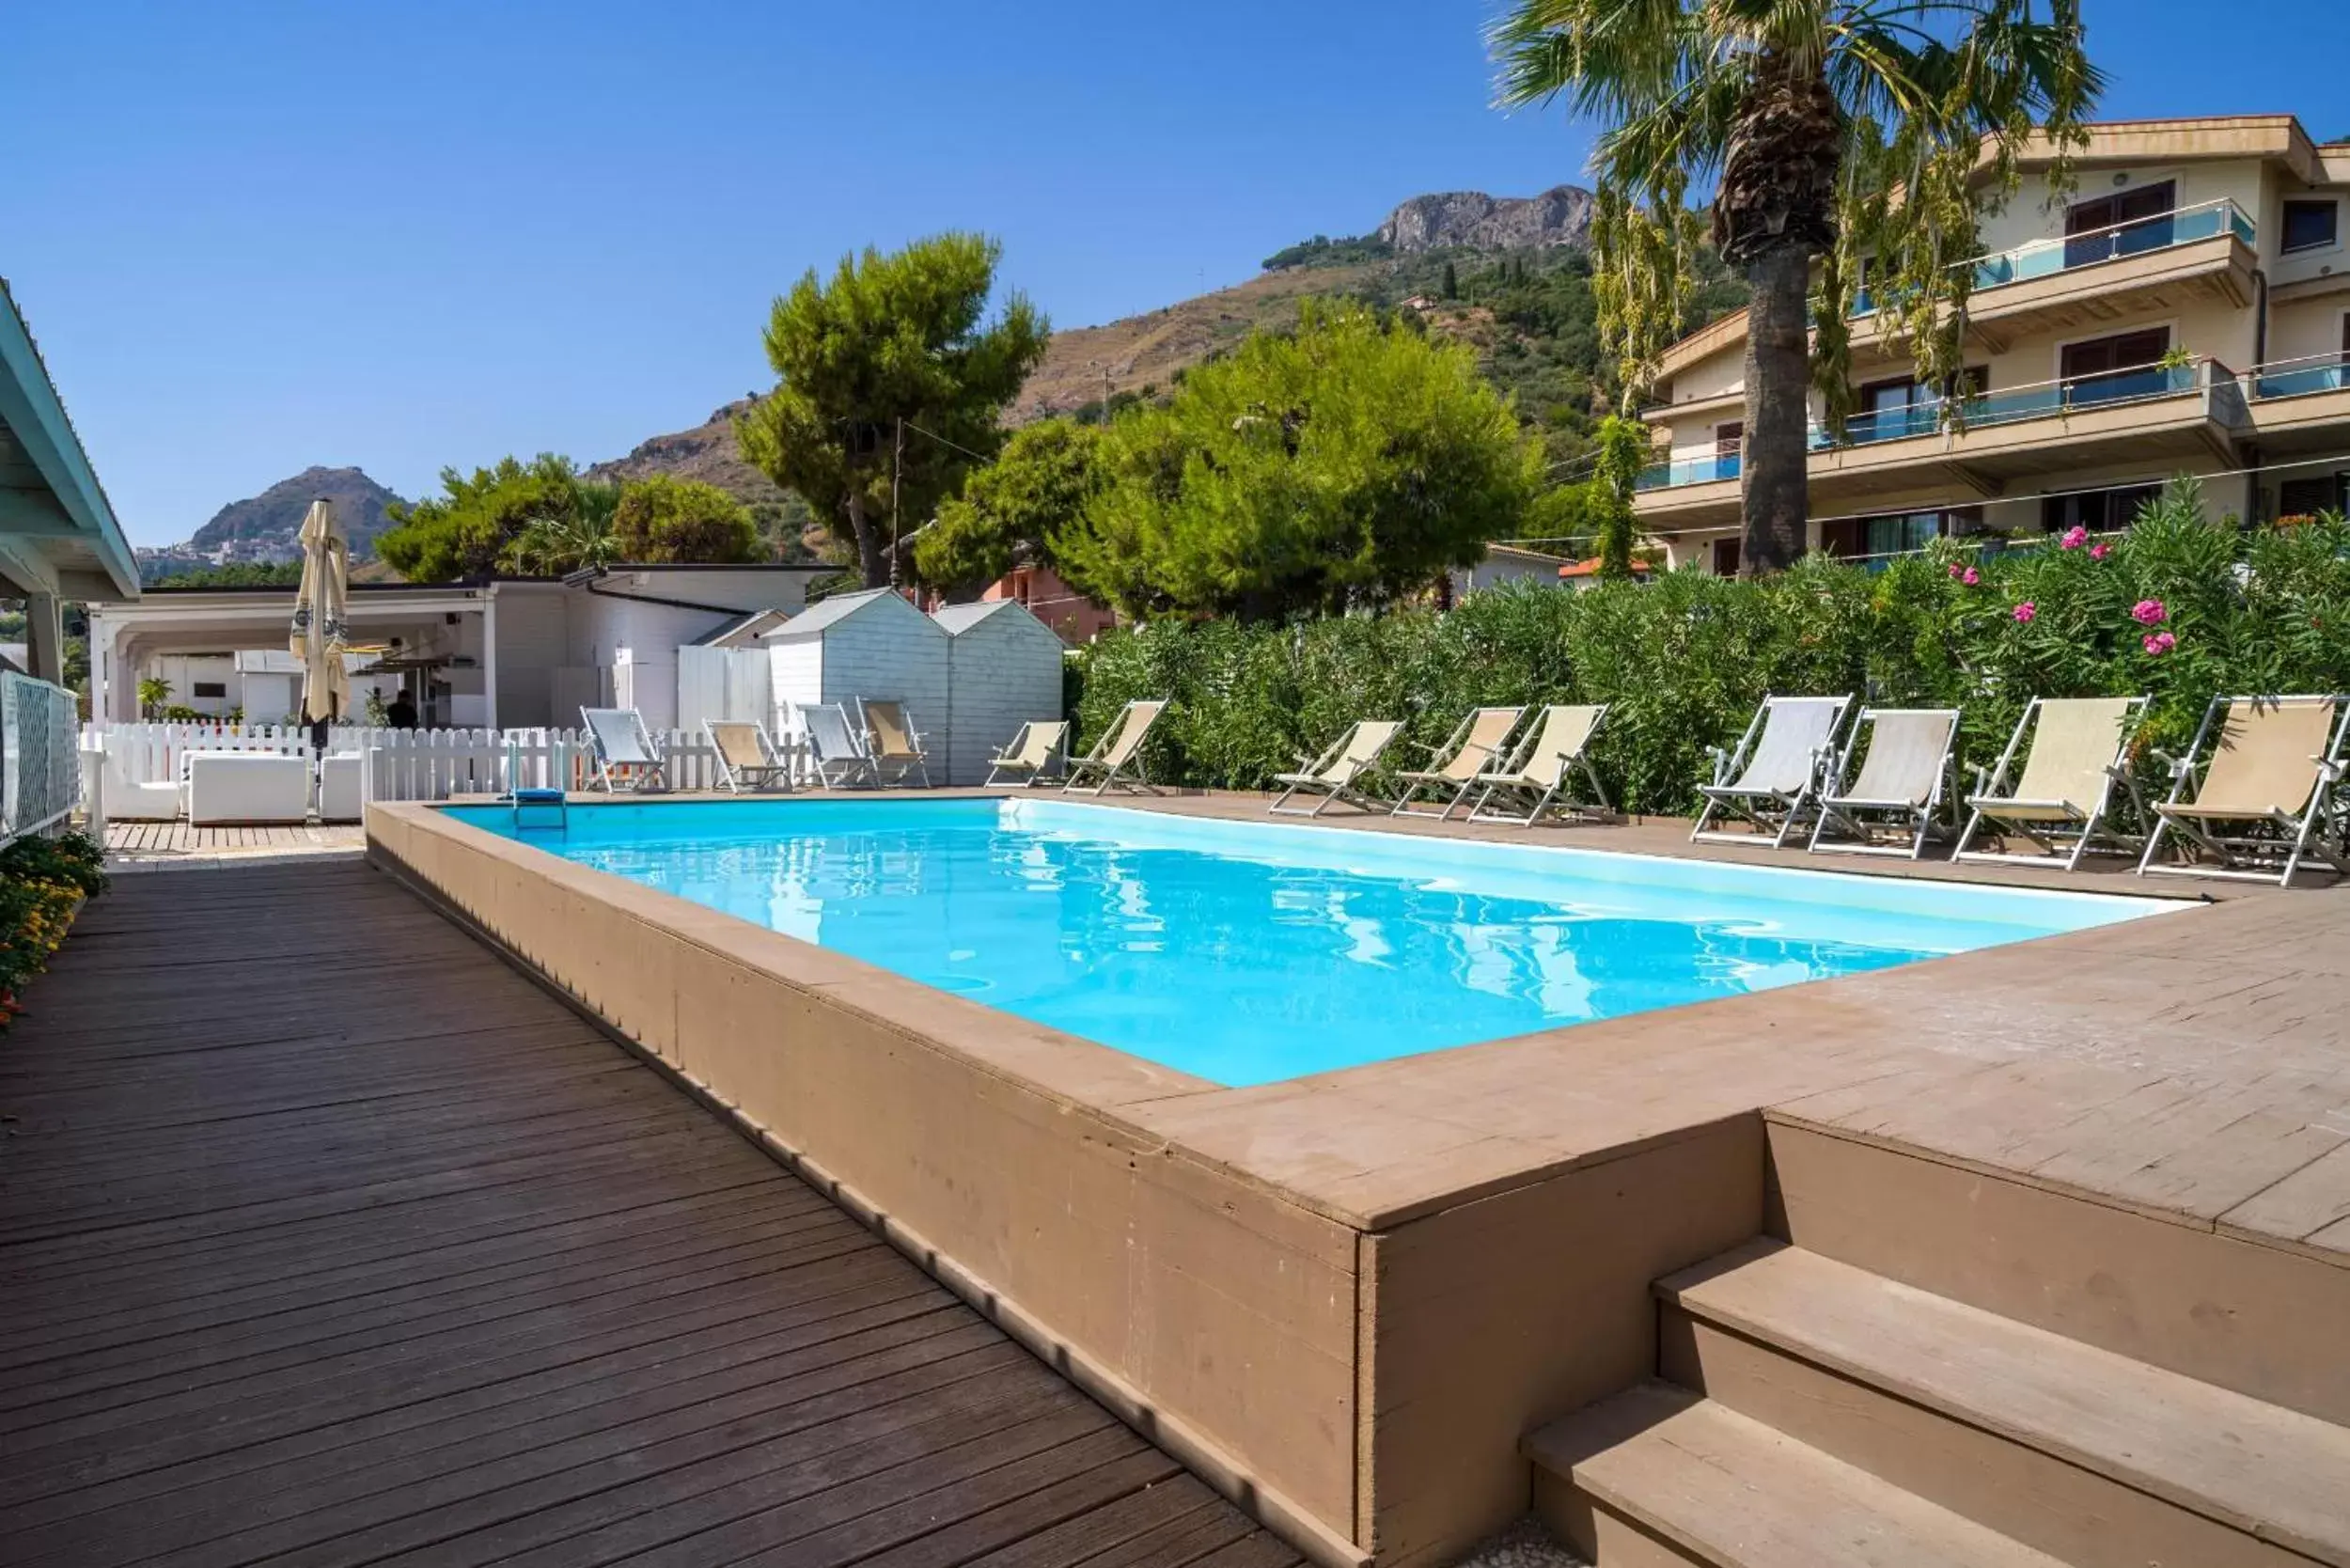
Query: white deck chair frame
x,y
1447,788
836,747
626,755
2081,831
2290,837
893,767
1116,758
1334,772
1881,826
1027,760
1774,813
773,771
1539,796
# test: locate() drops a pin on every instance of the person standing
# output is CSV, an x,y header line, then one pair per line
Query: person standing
x,y
403,712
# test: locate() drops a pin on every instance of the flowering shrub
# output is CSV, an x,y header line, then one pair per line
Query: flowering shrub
x,y
42,883
1684,660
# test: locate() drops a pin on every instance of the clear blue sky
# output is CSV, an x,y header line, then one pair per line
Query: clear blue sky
x,y
253,236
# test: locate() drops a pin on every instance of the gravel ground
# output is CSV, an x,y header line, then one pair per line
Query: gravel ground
x,y
1524,1544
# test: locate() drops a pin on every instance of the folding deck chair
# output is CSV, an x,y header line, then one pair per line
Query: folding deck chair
x,y
627,757
1907,780
748,756
1332,775
1473,748
2268,793
1117,755
2080,748
1040,745
835,748
892,742
1534,779
1773,777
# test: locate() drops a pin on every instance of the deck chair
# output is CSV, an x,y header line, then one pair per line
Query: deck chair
x,y
1533,780
627,757
892,742
1038,745
748,756
2064,795
2268,797
1473,748
1772,780
1333,775
1116,756
835,748
1907,780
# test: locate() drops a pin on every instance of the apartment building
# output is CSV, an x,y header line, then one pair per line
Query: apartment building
x,y
2187,312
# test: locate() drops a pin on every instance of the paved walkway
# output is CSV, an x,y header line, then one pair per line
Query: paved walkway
x,y
325,1239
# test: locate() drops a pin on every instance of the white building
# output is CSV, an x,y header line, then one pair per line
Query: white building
x,y
1003,669
508,652
864,646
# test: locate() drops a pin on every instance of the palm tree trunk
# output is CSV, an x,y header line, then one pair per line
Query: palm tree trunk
x,y
1772,480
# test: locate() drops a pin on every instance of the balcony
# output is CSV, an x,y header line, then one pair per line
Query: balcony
x,y
2155,414
2300,405
2204,252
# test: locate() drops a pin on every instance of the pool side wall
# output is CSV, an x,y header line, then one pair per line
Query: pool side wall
x,y
1360,1388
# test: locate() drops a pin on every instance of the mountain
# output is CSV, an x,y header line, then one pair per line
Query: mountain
x,y
264,528
1505,274
1472,220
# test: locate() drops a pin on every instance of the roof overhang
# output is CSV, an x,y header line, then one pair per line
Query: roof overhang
x,y
59,533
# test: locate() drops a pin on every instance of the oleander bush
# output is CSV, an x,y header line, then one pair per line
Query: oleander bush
x,y
42,885
2176,608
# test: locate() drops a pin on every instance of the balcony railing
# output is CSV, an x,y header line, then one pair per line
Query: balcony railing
x,y
1695,470
1982,410
2047,258
2291,378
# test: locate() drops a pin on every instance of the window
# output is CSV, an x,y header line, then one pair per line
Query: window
x,y
2310,225
1725,557
2098,510
1729,437
2118,367
2124,224
210,688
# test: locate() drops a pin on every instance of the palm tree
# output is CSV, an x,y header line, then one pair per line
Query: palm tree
x,y
1835,133
154,692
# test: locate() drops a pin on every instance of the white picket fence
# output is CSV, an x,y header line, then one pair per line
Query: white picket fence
x,y
403,764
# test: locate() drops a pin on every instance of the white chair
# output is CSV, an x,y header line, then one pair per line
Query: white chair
x,y
626,755
836,747
341,791
246,787
137,800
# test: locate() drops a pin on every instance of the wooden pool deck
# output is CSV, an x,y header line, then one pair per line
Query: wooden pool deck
x,y
328,1239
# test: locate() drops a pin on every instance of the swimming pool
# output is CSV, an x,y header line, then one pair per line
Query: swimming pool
x,y
1248,952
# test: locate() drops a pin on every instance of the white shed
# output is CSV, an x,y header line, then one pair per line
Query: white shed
x,y
1003,668
864,647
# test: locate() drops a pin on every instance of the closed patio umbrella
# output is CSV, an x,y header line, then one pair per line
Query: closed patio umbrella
x,y
318,632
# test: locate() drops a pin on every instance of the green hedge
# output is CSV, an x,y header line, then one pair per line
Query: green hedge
x,y
1684,660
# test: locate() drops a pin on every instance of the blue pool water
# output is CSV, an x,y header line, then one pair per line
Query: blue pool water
x,y
1246,952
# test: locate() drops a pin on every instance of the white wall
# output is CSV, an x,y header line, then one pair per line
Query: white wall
x,y
1003,671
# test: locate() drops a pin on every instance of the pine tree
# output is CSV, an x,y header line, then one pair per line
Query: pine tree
x,y
1452,282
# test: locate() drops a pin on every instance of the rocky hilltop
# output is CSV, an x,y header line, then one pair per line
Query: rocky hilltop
x,y
267,527
1473,220
707,452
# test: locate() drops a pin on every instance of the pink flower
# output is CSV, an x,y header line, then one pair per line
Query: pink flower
x,y
2075,536
2025,611
1970,576
2099,552
2160,642
2149,612
1954,569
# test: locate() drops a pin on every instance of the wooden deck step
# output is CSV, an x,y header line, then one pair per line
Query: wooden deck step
x,y
1657,1476
2100,1459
